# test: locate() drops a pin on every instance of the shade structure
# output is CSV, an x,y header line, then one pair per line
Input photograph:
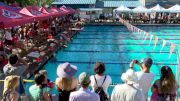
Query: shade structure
x,y
157,8
122,9
52,13
71,9
65,10
140,9
34,12
9,18
174,9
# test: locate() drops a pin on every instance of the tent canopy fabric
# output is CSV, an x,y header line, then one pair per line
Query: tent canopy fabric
x,y
9,18
34,12
90,9
65,9
157,8
174,9
122,9
49,11
140,9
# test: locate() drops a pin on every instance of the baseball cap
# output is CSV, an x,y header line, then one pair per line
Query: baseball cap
x,y
147,61
84,78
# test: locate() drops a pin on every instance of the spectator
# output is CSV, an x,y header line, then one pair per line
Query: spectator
x,y
166,86
145,78
47,83
10,84
84,94
3,62
13,68
8,36
129,91
65,82
99,77
37,91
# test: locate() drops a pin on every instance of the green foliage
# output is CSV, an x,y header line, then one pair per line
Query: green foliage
x,y
24,3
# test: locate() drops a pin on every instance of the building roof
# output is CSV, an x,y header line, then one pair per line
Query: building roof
x,y
119,3
74,2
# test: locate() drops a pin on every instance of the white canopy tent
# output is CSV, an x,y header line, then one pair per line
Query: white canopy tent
x,y
174,9
122,9
158,8
140,9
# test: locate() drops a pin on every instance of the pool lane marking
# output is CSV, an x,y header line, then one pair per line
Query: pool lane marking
x,y
104,51
124,34
107,44
92,62
131,38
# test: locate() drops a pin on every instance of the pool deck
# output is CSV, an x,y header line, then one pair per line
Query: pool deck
x,y
137,24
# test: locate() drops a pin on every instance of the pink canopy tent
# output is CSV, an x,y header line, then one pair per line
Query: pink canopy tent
x,y
52,13
9,18
65,10
71,9
34,12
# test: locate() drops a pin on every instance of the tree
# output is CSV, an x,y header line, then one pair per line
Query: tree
x,y
23,3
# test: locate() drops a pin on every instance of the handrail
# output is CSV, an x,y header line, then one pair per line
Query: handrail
x,y
24,80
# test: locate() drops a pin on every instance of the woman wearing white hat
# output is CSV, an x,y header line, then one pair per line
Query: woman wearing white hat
x,y
129,91
66,83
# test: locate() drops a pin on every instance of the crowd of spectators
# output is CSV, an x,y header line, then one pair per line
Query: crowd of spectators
x,y
70,88
152,18
42,38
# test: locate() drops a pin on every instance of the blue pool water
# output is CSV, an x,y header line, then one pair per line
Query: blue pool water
x,y
116,47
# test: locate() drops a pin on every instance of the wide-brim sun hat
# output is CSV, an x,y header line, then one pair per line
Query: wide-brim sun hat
x,y
129,77
66,70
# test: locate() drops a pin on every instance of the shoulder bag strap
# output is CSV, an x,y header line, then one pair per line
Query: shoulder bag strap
x,y
95,80
103,80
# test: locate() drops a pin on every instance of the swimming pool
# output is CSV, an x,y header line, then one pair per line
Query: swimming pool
x,y
116,47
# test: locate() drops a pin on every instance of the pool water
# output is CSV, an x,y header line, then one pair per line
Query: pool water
x,y
116,47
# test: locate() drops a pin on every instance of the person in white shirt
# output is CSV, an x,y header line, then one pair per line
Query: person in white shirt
x,y
129,91
145,78
8,36
99,76
84,94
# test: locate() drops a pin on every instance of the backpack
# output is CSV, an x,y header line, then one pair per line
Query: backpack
x,y
99,90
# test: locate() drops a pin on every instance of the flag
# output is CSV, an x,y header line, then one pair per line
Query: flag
x,y
163,44
146,37
156,41
172,47
144,33
150,39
